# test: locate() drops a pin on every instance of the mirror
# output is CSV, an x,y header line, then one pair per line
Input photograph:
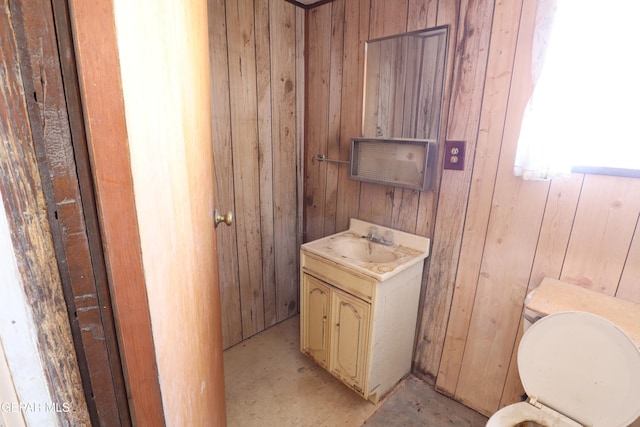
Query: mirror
x,y
404,85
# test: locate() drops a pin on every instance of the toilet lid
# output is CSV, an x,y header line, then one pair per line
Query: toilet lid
x,y
584,367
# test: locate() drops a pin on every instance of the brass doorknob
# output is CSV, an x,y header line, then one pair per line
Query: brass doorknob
x,y
226,218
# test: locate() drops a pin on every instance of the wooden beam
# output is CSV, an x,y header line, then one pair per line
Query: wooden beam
x,y
24,203
101,88
80,264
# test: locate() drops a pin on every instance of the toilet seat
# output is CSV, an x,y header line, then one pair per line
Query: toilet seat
x,y
579,365
524,411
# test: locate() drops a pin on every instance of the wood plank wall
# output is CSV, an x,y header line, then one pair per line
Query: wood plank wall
x,y
256,61
494,236
38,277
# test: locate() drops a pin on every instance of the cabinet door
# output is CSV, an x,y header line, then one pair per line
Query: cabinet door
x,y
350,338
315,318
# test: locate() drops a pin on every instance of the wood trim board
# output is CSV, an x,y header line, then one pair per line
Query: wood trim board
x,y
96,52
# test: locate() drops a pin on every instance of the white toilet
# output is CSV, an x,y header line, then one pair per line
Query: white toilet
x,y
578,368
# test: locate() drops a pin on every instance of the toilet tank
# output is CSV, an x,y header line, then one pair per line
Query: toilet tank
x,y
554,296
529,316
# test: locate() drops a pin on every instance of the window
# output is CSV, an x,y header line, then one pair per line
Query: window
x,y
584,114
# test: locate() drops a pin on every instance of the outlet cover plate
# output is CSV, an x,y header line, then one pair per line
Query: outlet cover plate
x,y
454,152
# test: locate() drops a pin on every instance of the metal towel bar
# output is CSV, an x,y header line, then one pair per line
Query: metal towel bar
x,y
323,158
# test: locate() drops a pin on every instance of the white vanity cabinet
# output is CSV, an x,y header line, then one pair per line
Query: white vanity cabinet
x,y
335,327
360,327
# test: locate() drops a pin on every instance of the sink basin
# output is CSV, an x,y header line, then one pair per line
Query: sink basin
x,y
352,249
364,250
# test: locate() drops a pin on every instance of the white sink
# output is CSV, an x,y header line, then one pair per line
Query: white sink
x,y
352,249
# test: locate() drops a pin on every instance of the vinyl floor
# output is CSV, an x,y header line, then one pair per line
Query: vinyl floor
x,y
269,382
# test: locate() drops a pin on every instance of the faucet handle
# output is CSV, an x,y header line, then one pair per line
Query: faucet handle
x,y
388,237
373,232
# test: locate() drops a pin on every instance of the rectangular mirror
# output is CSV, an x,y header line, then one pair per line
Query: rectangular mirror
x,y
404,85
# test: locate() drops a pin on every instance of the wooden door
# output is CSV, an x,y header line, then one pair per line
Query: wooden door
x,y
146,99
316,300
350,338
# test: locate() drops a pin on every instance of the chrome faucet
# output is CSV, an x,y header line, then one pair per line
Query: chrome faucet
x,y
375,236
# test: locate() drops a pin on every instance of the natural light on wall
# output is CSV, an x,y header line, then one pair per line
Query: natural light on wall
x,y
585,110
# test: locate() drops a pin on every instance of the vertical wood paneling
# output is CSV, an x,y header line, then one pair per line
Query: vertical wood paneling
x,y
485,169
560,209
388,17
246,155
301,46
602,231
629,288
435,14
466,85
435,296
266,155
411,94
317,118
285,158
378,202
257,116
557,224
405,209
422,14
356,30
335,108
494,236
512,234
401,89
373,67
388,86
508,255
223,162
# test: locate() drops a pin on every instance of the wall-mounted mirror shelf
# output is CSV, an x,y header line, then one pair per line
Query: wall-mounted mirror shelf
x,y
404,85
402,109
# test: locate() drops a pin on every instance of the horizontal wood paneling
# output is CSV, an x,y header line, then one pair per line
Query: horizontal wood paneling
x,y
494,236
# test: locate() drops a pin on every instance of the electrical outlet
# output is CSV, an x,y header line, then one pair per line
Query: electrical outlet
x,y
454,155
